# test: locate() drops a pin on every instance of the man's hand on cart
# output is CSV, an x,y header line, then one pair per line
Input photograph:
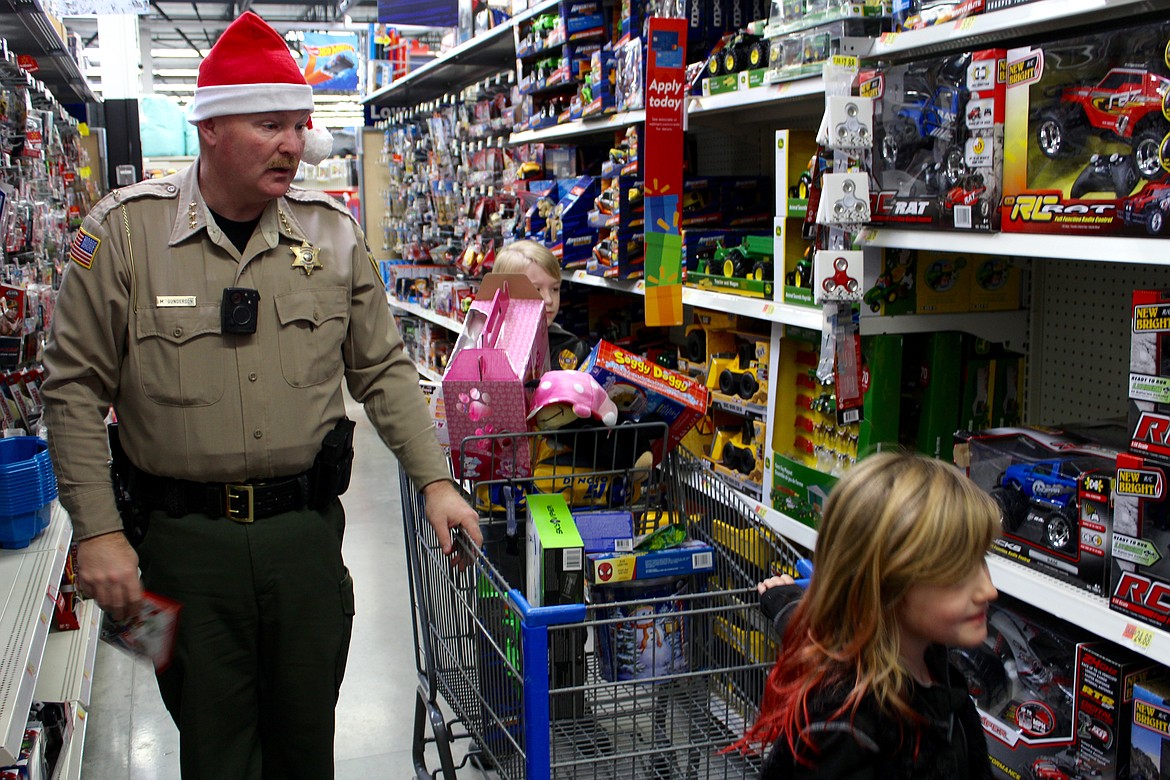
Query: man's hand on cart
x,y
447,510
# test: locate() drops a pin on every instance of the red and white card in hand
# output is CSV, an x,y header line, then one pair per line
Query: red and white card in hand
x,y
149,634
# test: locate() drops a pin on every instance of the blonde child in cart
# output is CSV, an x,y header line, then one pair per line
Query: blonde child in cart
x,y
565,350
862,689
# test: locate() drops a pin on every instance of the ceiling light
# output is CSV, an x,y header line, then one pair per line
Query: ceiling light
x,y
186,54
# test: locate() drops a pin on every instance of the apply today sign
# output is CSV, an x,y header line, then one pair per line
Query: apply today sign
x,y
666,89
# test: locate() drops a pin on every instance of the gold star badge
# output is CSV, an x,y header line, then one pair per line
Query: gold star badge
x,y
305,258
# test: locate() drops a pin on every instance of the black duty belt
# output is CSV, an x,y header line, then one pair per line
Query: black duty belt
x,y
239,501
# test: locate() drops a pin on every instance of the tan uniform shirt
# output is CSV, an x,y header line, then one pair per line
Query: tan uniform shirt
x,y
141,328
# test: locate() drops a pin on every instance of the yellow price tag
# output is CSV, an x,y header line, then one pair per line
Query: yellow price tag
x,y
1142,637
640,287
769,308
578,276
889,38
965,24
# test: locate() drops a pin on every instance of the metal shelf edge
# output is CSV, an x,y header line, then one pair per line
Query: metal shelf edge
x,y
1149,251
67,666
33,576
418,311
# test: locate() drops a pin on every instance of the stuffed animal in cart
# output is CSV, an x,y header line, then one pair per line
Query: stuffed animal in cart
x,y
566,397
567,406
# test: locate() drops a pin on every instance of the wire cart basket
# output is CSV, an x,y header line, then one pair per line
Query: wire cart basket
x,y
655,686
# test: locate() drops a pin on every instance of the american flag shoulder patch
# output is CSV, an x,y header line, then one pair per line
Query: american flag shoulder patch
x,y
83,248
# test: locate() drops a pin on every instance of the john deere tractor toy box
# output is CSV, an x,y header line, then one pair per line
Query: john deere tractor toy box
x,y
1085,147
938,130
1053,492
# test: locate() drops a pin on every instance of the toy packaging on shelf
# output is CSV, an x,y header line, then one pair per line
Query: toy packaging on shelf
x,y
1140,575
917,14
1149,374
1085,150
810,446
1053,490
939,127
1149,748
1054,702
732,261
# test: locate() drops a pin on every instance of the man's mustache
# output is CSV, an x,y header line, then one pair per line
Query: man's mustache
x,y
283,162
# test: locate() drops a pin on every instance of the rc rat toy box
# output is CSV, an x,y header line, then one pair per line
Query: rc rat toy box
x,y
1085,144
939,128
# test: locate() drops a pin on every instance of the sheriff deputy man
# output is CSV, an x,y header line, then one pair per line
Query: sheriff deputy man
x,y
218,311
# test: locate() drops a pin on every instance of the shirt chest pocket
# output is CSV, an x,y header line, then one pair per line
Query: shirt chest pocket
x,y
181,355
312,328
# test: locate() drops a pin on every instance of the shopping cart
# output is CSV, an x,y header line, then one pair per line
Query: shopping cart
x,y
653,687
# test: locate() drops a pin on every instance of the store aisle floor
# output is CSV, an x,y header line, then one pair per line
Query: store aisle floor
x,y
131,737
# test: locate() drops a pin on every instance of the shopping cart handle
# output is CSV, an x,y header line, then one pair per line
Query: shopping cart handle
x,y
804,567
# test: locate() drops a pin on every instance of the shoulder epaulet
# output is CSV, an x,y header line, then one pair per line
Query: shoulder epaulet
x,y
151,188
299,195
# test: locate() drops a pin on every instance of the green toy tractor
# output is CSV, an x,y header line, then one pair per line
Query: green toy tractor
x,y
752,259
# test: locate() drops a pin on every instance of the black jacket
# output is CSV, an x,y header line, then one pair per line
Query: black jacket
x,y
874,747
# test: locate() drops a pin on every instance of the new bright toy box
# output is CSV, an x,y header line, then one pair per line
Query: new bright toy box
x,y
646,392
1053,490
1085,150
938,156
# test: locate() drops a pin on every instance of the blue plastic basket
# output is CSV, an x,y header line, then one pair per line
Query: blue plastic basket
x,y
27,487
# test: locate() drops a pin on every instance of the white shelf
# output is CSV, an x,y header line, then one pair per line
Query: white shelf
x,y
29,583
1120,249
480,57
579,127
67,666
427,373
1019,23
757,98
994,326
426,314
69,763
1080,607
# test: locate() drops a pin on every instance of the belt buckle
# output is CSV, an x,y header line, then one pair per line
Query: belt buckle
x,y
233,493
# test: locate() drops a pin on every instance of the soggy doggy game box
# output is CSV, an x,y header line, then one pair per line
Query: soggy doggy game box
x,y
646,392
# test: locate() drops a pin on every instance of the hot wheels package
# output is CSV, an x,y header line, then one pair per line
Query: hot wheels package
x,y
1088,142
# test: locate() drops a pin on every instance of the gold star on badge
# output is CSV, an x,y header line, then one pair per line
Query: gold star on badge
x,y
305,258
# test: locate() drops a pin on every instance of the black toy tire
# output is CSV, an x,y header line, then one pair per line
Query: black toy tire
x,y
697,346
713,65
900,143
727,382
748,386
1059,531
1013,505
1061,133
758,55
1147,147
1155,221
732,61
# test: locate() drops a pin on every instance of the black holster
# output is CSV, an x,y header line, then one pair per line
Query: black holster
x,y
123,477
329,477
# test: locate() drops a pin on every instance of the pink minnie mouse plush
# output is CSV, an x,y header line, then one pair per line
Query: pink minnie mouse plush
x,y
564,397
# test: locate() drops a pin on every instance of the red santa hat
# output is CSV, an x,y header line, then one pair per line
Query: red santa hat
x,y
250,70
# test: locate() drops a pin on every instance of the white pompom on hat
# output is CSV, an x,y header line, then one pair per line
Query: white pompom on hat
x,y
250,70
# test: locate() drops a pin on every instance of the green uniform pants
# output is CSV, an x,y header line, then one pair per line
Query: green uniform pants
x,y
262,643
